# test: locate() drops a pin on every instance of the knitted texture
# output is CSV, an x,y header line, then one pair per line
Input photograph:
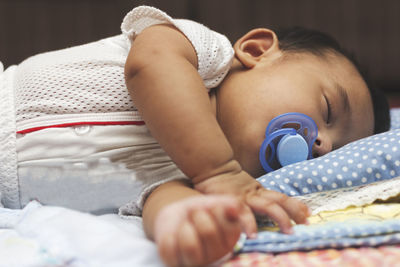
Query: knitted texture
x,y
214,51
82,79
85,84
89,79
8,156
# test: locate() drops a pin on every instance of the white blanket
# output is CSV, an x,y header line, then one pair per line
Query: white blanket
x,y
53,236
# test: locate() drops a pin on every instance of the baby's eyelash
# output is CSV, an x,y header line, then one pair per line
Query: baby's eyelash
x,y
329,110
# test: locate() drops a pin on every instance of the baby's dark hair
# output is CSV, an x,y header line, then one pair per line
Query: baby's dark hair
x,y
299,39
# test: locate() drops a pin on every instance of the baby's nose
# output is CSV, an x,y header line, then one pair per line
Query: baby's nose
x,y
321,147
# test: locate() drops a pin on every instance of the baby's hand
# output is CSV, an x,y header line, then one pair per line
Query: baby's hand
x,y
198,230
261,201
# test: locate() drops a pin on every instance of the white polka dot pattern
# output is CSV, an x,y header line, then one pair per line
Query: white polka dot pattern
x,y
395,118
362,162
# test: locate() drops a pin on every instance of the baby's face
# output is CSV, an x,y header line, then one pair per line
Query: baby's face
x,y
328,89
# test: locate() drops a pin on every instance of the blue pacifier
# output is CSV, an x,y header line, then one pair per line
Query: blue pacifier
x,y
290,138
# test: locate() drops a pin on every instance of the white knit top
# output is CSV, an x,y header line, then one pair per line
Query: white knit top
x,y
85,84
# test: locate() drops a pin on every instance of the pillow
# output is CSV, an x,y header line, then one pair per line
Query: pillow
x,y
395,118
365,161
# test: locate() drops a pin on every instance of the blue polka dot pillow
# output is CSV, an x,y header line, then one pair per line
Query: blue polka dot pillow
x,y
372,161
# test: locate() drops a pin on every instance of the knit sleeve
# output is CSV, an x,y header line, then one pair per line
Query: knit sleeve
x,y
214,51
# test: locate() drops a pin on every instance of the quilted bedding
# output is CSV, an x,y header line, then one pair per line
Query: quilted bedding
x,y
347,229
354,237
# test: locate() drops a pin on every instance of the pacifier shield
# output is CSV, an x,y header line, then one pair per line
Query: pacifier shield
x,y
289,138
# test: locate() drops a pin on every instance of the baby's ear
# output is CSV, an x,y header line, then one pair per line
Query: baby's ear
x,y
255,45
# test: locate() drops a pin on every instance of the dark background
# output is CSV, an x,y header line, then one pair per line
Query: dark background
x,y
369,28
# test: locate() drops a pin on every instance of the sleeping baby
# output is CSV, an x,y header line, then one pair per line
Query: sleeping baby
x,y
184,114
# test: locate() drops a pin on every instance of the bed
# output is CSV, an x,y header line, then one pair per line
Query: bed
x,y
353,193
354,196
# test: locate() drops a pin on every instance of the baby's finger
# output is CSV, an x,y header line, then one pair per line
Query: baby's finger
x,y
228,226
167,247
246,216
190,245
210,235
248,221
271,209
297,210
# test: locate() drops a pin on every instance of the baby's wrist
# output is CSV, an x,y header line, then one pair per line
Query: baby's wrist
x,y
228,168
235,183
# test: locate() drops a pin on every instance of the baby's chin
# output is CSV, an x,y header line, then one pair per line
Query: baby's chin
x,y
255,169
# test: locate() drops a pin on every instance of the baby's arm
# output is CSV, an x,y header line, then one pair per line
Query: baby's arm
x,y
191,229
162,78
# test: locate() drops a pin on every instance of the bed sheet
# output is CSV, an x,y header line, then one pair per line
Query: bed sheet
x,y
53,236
49,236
383,256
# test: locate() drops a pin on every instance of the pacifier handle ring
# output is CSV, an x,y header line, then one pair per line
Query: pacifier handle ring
x,y
266,143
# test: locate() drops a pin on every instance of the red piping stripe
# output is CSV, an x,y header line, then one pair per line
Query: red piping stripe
x,y
81,123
